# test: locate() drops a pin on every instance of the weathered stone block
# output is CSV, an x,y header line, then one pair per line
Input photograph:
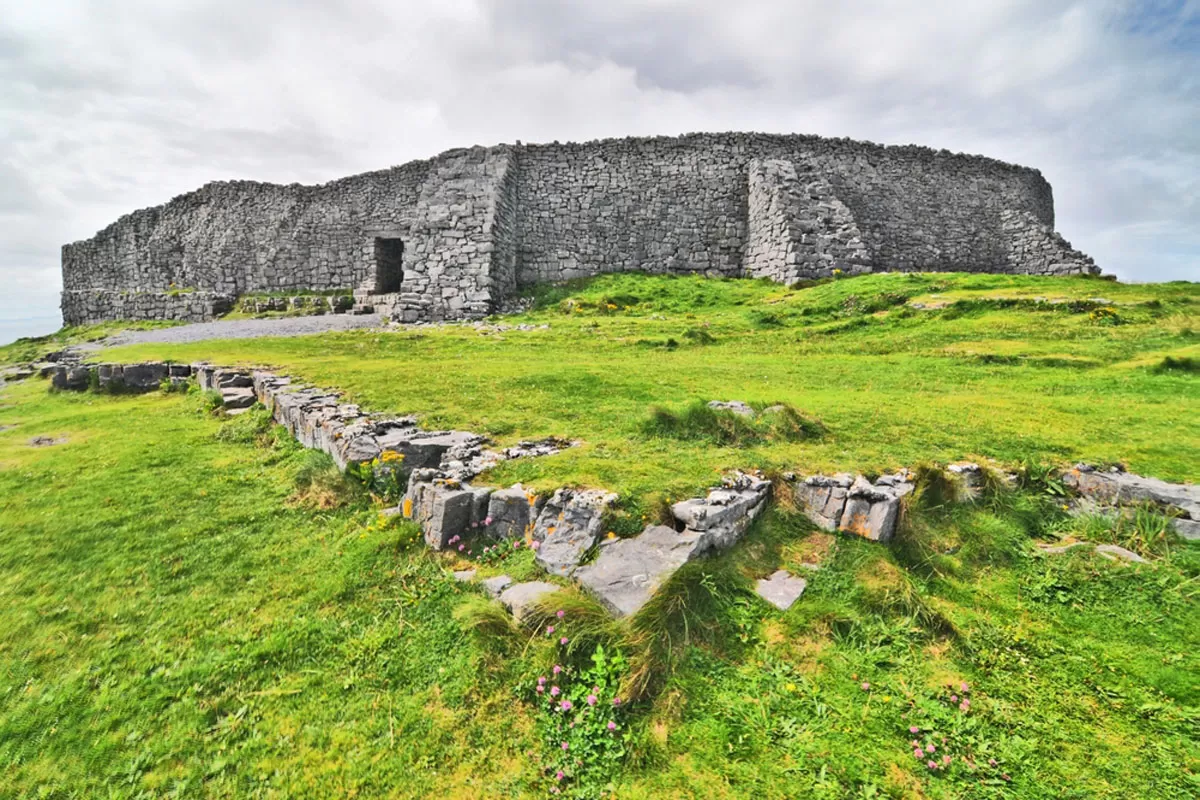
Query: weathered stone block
x,y
511,512
568,526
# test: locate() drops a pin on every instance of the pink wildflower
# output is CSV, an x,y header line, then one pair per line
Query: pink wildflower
x,y
554,691
566,746
591,699
563,640
931,747
953,698
946,760
565,705
541,689
866,687
612,726
487,520
462,547
560,613
914,729
542,680
965,688
534,545
964,706
549,629
559,775
557,669
616,701
932,765
918,754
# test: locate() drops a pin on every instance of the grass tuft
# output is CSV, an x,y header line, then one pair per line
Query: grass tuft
x,y
321,485
697,421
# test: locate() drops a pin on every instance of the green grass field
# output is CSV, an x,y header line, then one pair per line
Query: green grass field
x,y
183,615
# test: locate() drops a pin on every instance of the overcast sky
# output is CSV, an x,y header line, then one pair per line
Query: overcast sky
x,y
113,105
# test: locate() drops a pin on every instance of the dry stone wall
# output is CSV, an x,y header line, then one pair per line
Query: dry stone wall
x,y
476,225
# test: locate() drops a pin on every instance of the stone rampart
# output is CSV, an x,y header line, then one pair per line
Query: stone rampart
x,y
453,237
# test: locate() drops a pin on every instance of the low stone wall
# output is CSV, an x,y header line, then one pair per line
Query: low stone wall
x,y
569,525
89,306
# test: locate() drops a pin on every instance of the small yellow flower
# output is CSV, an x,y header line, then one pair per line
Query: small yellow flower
x,y
791,687
407,508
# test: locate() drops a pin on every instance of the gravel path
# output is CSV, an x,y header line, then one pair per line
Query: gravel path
x,y
246,329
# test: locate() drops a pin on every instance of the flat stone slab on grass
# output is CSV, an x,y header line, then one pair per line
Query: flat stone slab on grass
x,y
1055,549
496,586
627,572
464,575
1118,553
520,598
781,589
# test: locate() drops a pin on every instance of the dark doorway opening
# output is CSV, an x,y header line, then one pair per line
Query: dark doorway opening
x,y
389,265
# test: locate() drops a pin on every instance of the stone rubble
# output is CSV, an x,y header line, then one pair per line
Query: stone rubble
x,y
568,525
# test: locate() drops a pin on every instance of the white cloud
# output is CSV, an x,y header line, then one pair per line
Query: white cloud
x,y
116,106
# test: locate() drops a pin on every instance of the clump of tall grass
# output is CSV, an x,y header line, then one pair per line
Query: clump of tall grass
x,y
321,485
697,421
706,603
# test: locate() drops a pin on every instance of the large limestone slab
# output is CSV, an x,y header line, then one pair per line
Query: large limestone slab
x,y
627,572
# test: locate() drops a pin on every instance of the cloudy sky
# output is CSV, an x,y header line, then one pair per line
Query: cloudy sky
x,y
111,105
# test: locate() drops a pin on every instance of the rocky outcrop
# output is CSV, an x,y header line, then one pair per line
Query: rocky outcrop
x,y
1114,487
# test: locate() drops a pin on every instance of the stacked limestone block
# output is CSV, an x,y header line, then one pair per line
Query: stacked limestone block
x,y
799,229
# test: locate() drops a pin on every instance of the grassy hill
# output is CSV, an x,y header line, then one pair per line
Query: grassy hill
x,y
195,607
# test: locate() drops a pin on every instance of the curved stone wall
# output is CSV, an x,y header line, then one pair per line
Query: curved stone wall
x,y
474,225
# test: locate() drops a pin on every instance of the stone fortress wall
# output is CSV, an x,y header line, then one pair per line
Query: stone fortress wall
x,y
455,236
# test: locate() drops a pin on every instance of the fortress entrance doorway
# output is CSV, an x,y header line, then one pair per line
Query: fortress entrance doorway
x,y
389,265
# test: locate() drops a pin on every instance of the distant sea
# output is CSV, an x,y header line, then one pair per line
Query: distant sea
x,y
13,329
